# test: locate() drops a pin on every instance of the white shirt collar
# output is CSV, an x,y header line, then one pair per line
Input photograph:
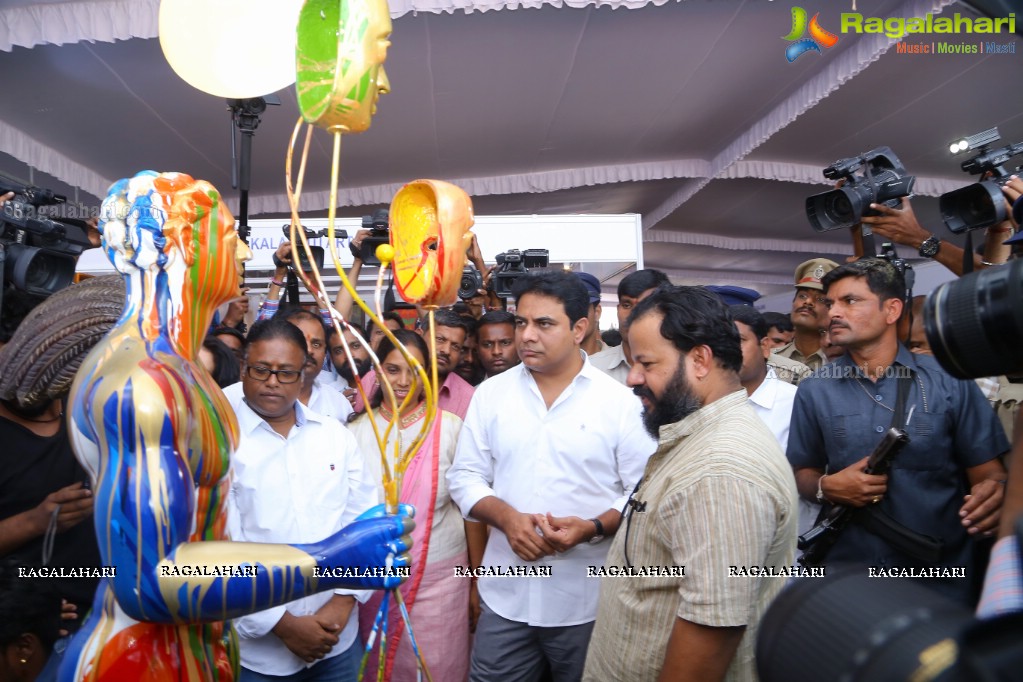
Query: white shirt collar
x,y
249,420
766,393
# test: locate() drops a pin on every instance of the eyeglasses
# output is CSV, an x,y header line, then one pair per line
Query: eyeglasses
x,y
284,376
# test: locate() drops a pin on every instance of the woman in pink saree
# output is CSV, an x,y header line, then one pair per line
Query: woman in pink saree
x,y
438,602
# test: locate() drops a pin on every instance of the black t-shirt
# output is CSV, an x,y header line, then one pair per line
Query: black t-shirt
x,y
32,467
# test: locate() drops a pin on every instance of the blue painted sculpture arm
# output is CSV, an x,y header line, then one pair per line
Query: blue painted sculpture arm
x,y
145,512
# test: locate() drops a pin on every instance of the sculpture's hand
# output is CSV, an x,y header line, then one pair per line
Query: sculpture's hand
x,y
374,542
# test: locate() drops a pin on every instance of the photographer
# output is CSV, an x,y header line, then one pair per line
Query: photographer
x,y
272,300
902,227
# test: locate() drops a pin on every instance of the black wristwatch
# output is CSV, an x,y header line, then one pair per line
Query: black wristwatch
x,y
930,247
600,531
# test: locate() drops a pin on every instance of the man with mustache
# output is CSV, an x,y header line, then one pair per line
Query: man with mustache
x,y
717,497
346,374
808,314
495,338
548,454
617,360
945,487
455,392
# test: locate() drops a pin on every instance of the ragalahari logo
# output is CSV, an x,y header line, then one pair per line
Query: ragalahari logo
x,y
818,36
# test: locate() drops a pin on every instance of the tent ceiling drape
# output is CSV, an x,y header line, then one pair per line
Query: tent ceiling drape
x,y
685,112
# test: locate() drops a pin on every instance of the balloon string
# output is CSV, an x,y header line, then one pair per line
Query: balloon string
x,y
391,477
420,661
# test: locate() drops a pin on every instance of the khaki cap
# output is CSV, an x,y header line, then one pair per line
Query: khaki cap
x,y
810,273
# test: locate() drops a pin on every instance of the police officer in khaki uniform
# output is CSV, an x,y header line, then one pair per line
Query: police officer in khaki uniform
x,y
809,315
789,371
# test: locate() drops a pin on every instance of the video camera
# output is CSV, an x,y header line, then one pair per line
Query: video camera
x,y
513,264
883,181
472,282
378,225
37,255
298,253
981,204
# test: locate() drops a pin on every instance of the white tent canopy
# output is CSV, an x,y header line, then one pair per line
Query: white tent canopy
x,y
686,113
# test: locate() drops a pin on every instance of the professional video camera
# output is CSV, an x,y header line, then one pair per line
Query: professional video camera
x,y
298,253
975,323
513,264
883,181
472,282
37,255
378,226
981,204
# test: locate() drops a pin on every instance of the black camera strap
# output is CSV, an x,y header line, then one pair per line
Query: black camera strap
x,y
921,547
291,287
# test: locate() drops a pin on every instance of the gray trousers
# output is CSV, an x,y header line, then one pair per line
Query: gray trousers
x,y
509,651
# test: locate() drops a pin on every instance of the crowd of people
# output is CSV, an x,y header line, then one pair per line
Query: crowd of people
x,y
584,510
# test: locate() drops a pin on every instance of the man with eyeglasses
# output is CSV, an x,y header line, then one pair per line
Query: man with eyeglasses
x,y
317,395
717,498
298,477
809,314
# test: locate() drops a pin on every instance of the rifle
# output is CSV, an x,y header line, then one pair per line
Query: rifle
x,y
818,541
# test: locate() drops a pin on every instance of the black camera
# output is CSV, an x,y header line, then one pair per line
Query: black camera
x,y
298,254
378,226
472,282
851,627
883,181
975,323
513,264
981,204
37,255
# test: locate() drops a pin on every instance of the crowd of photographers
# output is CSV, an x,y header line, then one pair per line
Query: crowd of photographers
x,y
848,367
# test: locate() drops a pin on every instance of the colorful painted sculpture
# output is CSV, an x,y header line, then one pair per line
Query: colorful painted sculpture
x,y
156,434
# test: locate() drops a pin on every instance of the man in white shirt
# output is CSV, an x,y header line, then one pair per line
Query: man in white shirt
x,y
320,394
771,398
616,361
548,454
298,477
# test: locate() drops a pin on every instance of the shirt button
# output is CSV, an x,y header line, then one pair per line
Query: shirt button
x,y
879,429
877,398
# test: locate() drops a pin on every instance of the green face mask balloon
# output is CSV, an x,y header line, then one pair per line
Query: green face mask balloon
x,y
340,56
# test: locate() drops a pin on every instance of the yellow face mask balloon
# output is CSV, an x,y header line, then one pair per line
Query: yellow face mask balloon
x,y
430,221
340,55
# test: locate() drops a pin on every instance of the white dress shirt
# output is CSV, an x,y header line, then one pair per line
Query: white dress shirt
x,y
772,401
295,490
611,361
325,399
581,457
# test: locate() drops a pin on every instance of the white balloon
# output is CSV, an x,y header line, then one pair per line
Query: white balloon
x,y
231,48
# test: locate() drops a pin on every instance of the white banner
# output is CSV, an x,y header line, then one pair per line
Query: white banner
x,y
569,238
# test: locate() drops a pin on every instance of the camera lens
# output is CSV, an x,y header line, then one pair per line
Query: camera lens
x,y
975,324
973,207
833,210
851,627
37,271
838,208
